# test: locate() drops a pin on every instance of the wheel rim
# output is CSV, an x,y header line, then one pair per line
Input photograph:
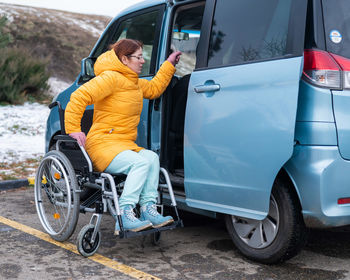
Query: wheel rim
x,y
86,244
258,234
53,198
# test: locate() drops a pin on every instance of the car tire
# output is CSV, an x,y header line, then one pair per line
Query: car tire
x,y
278,237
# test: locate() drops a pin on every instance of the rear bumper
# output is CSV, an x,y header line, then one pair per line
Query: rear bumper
x,y
321,176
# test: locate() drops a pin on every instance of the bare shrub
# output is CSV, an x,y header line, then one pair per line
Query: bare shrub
x,y
22,77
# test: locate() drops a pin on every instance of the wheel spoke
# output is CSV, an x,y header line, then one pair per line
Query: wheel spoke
x,y
47,175
59,219
256,233
257,238
57,203
244,230
270,229
61,206
86,247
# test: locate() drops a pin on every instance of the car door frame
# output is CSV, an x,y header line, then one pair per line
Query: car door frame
x,y
144,127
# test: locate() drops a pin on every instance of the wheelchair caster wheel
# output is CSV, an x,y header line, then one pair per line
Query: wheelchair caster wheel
x,y
156,238
85,247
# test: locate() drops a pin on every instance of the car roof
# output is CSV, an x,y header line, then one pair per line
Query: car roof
x,y
145,4
142,5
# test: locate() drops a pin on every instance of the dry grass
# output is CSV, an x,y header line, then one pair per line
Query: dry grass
x,y
61,37
19,170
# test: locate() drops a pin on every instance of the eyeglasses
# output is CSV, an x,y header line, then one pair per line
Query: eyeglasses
x,y
138,57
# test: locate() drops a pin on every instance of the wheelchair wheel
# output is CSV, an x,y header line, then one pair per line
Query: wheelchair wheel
x,y
85,247
56,197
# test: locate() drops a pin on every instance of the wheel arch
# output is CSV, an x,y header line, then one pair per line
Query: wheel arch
x,y
291,235
286,177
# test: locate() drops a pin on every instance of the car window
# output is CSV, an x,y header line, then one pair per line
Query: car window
x,y
337,26
185,36
246,31
144,27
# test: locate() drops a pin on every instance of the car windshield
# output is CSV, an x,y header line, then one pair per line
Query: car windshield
x,y
337,26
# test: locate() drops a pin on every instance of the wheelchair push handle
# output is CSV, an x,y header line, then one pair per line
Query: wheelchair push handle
x,y
54,104
61,115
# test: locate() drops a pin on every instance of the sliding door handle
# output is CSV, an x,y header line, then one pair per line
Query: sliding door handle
x,y
206,88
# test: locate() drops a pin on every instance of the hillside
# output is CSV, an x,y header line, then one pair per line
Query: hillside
x,y
64,38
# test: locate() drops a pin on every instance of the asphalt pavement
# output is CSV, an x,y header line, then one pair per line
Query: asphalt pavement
x,y
200,250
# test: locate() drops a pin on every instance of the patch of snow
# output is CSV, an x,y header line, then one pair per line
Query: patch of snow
x,y
8,15
20,8
22,130
57,86
96,29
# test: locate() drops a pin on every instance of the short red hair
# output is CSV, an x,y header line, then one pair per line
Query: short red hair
x,y
126,47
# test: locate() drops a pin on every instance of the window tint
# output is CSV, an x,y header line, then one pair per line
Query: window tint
x,y
337,26
247,30
185,36
141,27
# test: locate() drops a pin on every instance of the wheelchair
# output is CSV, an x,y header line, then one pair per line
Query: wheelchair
x,y
66,185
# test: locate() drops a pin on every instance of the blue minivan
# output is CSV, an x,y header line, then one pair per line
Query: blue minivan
x,y
255,125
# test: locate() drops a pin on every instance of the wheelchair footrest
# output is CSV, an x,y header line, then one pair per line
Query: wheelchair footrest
x,y
128,233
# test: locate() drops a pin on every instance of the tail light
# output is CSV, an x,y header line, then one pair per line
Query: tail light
x,y
344,64
321,69
344,200
326,69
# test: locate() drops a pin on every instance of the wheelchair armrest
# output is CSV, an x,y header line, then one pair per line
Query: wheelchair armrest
x,y
64,138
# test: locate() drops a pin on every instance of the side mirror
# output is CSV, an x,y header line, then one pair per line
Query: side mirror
x,y
87,69
181,36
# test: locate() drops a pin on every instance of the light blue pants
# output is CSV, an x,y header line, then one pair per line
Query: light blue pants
x,y
142,179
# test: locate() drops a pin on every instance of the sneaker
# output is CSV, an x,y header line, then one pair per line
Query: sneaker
x,y
149,212
130,222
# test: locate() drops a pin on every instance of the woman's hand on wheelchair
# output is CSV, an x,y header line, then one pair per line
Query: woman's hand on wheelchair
x,y
80,137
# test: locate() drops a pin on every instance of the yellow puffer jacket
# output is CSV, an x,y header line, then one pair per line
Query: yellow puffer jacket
x,y
117,94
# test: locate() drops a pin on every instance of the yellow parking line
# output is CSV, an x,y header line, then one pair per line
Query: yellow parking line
x,y
70,247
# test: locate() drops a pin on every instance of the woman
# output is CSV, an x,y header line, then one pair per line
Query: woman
x,y
117,94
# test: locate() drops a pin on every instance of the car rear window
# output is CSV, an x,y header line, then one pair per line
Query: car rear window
x,y
337,26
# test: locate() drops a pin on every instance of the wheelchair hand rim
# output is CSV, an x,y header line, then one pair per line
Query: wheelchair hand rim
x,y
39,207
